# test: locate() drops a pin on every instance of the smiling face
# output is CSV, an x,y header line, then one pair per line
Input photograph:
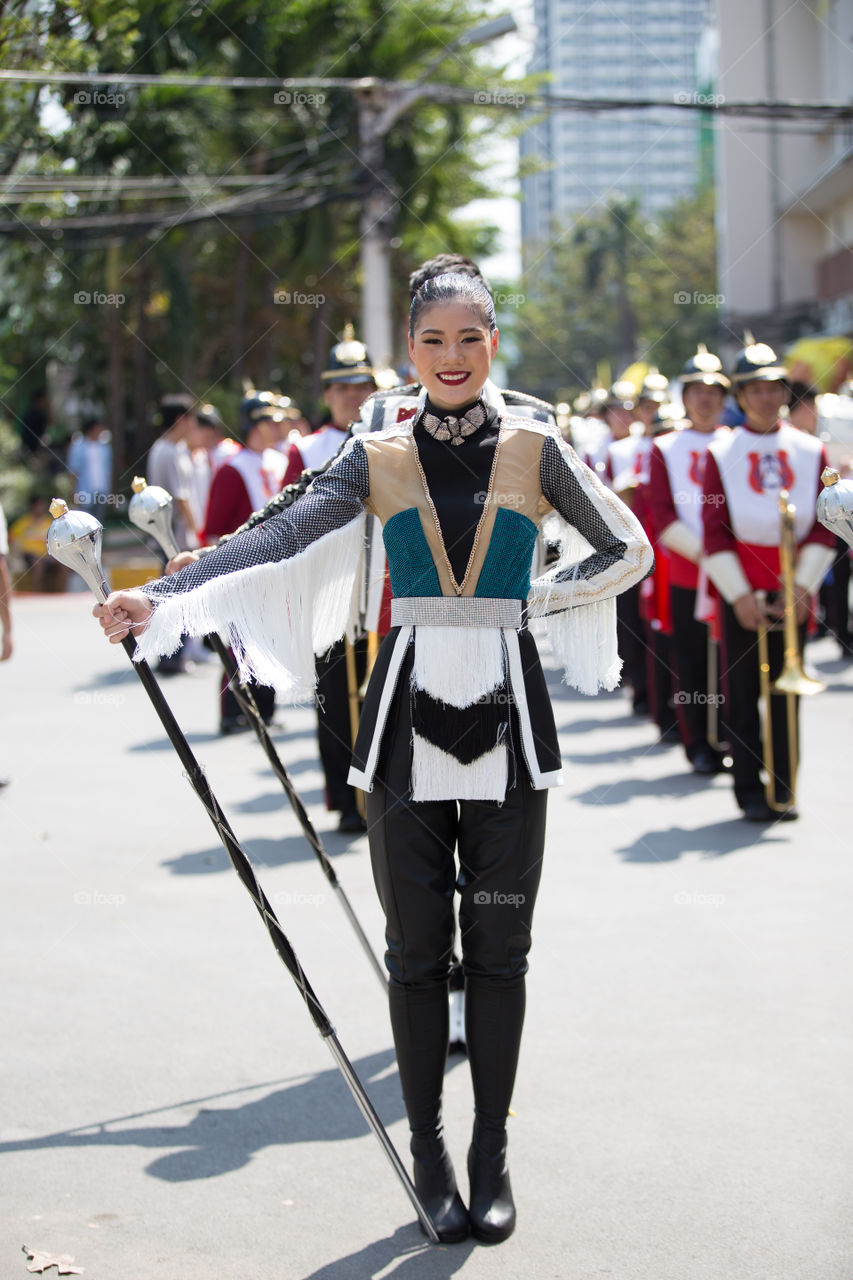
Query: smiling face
x,y
452,351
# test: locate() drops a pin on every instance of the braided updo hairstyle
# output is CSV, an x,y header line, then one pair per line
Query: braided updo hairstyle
x,y
454,287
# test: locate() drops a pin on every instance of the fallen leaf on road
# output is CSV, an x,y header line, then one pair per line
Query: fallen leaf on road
x,y
41,1260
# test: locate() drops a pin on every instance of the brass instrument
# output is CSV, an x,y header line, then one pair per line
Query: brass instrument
x,y
712,717
792,681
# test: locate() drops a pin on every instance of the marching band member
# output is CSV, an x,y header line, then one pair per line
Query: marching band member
x,y
349,380
835,589
457,744
645,642
618,411
745,472
675,504
245,481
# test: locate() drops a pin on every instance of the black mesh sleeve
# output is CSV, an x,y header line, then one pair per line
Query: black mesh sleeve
x,y
336,496
563,489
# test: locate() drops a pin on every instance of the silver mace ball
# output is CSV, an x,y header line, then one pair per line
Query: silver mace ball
x,y
74,539
835,505
151,511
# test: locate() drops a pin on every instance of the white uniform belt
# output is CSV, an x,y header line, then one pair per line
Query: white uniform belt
x,y
454,611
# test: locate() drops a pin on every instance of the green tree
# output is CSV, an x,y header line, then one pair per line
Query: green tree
x,y
198,299
615,289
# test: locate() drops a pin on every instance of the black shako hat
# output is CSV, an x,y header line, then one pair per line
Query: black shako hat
x,y
258,405
705,368
349,361
757,363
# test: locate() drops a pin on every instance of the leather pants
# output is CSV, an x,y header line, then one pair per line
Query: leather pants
x,y
412,848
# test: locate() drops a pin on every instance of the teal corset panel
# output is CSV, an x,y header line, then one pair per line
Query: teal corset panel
x,y
410,562
506,569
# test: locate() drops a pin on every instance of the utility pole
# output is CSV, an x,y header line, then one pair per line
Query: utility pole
x,y
380,105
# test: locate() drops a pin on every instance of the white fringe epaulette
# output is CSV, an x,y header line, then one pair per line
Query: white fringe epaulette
x,y
275,617
583,636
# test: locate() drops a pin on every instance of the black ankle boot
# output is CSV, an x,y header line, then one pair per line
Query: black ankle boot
x,y
491,1208
435,1183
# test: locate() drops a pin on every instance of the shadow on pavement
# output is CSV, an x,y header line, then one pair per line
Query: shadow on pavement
x,y
219,1140
593,725
408,1249
627,789
163,744
715,840
125,675
262,853
276,800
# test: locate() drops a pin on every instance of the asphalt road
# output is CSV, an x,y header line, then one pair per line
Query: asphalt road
x,y
683,1109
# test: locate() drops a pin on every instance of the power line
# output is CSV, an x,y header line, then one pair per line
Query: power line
x,y
284,202
487,98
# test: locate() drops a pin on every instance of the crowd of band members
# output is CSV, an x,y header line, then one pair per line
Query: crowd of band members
x,y
218,478
708,495
687,635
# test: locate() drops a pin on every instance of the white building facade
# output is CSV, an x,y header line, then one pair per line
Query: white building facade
x,y
785,188
612,49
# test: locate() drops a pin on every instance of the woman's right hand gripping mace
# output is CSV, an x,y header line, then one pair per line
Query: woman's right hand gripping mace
x,y
74,539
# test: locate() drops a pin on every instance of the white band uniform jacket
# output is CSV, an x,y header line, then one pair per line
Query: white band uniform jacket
x,y
288,588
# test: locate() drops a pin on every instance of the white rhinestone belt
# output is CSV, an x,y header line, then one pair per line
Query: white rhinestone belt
x,y
454,611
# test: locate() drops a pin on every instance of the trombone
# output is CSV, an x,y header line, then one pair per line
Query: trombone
x,y
792,681
712,717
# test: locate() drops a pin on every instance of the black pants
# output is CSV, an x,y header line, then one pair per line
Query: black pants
x,y
631,640
334,733
412,848
659,677
835,595
690,641
230,709
743,718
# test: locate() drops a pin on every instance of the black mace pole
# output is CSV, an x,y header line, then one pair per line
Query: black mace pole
x,y
74,540
151,511
246,699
